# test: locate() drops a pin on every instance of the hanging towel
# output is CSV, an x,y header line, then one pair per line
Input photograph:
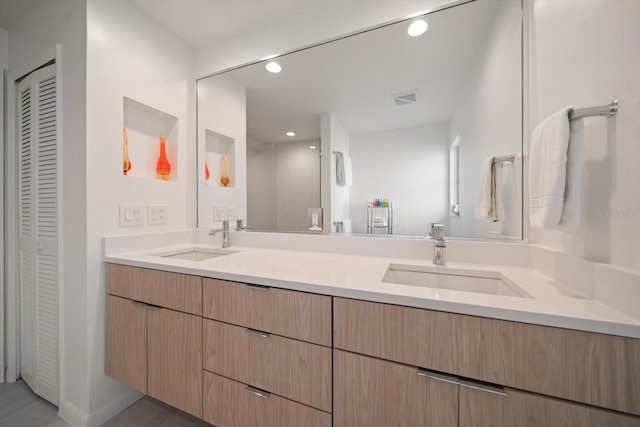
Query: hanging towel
x,y
339,167
570,219
348,172
490,205
548,169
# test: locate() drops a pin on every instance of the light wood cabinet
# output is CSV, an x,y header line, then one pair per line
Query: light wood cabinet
x,y
179,292
595,369
532,410
408,335
229,403
175,359
155,350
292,369
298,315
482,405
126,342
372,392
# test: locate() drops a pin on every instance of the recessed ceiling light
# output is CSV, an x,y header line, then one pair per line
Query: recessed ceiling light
x,y
417,27
291,133
273,67
313,147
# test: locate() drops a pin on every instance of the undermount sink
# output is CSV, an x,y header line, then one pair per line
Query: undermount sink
x,y
193,254
484,282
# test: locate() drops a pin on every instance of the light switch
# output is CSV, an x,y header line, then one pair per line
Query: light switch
x,y
220,213
131,215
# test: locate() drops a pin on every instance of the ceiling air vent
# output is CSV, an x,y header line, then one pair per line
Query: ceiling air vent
x,y
404,98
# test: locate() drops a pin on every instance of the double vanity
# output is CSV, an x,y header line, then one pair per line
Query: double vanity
x,y
263,336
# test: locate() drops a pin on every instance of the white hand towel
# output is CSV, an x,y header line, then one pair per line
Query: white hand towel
x,y
339,168
490,205
348,172
548,169
570,219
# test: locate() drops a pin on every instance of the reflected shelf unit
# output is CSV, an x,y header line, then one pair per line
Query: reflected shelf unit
x,y
379,218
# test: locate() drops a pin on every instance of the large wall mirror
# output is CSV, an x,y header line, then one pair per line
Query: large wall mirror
x,y
386,132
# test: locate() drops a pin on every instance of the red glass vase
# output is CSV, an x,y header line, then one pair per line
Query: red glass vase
x,y
163,167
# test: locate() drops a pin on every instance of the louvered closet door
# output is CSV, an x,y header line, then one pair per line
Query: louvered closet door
x,y
38,223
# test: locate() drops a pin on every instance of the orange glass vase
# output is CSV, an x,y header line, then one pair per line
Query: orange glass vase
x,y
126,163
163,167
207,174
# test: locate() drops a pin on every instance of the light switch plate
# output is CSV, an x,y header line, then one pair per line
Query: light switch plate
x,y
220,213
131,215
157,214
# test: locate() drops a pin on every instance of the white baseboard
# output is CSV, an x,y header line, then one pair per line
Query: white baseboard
x,y
78,418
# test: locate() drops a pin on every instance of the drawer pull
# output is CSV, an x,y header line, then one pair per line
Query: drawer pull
x,y
138,303
437,376
258,392
258,333
489,388
257,287
153,307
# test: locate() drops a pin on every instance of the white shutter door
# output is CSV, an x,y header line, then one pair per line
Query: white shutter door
x,y
38,186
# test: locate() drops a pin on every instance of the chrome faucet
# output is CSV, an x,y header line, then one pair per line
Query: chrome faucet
x,y
225,233
437,234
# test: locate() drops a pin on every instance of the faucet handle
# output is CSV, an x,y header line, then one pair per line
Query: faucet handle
x,y
437,231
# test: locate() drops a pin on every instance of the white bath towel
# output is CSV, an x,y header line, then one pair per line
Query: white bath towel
x,y
348,172
548,169
490,205
339,167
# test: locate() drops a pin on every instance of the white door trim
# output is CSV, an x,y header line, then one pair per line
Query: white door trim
x,y
11,217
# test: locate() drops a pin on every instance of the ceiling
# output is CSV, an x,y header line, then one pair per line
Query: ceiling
x,y
354,78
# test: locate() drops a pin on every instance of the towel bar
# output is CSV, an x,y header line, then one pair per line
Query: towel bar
x,y
607,110
503,159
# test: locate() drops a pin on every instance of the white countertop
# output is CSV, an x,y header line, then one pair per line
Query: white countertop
x,y
354,276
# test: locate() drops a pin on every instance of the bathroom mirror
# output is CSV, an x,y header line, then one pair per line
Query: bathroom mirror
x,y
376,118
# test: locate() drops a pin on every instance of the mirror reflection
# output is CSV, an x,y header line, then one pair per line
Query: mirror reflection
x,y
385,131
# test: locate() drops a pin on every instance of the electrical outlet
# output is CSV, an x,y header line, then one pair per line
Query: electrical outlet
x,y
131,215
232,213
220,213
157,214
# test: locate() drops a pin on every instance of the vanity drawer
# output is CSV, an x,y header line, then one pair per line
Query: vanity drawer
x,y
402,334
298,315
179,292
293,369
228,403
596,369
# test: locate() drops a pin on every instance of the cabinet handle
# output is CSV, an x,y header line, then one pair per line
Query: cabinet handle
x,y
258,392
138,303
257,287
489,388
258,333
153,307
438,376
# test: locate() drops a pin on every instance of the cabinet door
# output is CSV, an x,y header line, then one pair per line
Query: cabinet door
x,y
175,359
532,410
481,405
126,342
372,392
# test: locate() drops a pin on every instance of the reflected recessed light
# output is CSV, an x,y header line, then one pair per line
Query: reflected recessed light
x,y
275,55
417,27
291,133
273,67
313,147
418,13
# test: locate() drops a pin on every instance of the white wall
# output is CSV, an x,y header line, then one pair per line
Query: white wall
x,y
261,185
335,197
4,63
474,121
408,166
64,22
222,108
584,56
129,56
4,48
329,20
297,182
